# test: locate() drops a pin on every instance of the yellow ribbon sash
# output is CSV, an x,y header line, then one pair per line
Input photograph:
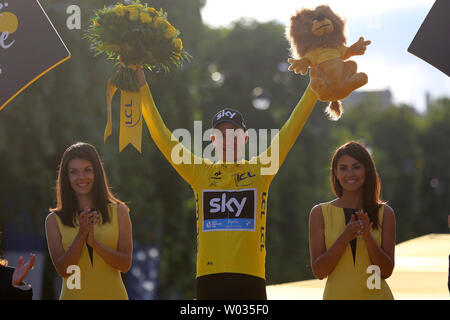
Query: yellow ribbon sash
x,y
130,117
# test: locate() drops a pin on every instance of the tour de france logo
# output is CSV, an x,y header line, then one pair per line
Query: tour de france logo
x,y
8,25
8,21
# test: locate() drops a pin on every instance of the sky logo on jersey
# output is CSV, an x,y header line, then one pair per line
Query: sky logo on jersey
x,y
229,210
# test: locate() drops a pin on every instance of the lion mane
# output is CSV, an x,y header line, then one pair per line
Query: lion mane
x,y
299,31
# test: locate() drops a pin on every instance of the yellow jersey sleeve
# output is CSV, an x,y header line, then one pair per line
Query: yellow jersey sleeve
x,y
165,140
286,137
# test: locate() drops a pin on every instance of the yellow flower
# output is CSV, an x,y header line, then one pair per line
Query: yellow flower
x,y
178,45
96,24
119,10
134,13
170,32
151,10
145,17
139,6
159,21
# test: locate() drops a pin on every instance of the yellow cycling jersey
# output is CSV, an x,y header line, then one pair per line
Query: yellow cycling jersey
x,y
231,198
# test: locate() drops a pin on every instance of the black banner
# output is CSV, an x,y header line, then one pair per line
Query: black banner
x,y
432,41
270,310
29,46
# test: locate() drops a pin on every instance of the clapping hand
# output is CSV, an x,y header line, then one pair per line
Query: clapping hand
x,y
85,219
353,228
366,225
94,220
21,271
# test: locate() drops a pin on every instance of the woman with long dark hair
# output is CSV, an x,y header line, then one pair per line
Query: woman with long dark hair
x,y
89,233
352,238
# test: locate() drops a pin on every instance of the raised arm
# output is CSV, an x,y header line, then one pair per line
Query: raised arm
x,y
169,145
275,155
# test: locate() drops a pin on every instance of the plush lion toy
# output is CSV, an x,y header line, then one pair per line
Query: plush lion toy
x,y
317,38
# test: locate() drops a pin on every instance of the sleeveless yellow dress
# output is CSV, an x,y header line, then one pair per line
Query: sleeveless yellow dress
x,y
348,280
99,281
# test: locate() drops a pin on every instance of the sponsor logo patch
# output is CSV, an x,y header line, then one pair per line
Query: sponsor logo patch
x,y
229,210
243,179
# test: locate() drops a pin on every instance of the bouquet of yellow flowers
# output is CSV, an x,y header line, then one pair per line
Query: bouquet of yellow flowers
x,y
132,35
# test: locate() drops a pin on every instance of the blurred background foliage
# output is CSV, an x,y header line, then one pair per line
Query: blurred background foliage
x,y
242,66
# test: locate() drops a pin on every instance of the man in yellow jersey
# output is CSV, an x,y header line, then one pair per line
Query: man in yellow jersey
x,y
231,197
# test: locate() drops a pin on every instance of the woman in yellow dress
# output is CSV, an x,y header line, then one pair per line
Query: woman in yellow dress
x,y
89,233
352,238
